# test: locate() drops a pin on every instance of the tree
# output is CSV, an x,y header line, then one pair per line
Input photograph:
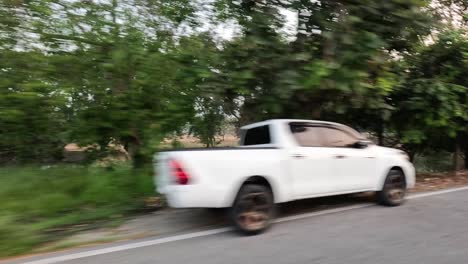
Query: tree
x,y
254,73
121,78
31,125
206,125
133,72
337,66
432,101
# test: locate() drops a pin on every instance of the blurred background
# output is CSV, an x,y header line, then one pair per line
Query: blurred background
x,y
91,89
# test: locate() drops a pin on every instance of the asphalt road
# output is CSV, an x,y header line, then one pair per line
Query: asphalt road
x,y
430,230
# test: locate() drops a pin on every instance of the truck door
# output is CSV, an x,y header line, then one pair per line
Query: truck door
x,y
353,168
311,162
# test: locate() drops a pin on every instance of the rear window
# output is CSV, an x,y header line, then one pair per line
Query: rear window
x,y
257,136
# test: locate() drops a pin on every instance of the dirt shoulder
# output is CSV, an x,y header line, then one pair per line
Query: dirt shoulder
x,y
426,182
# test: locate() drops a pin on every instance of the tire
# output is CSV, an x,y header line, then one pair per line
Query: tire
x,y
394,189
253,210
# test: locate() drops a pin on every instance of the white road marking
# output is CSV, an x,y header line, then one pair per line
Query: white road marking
x,y
323,212
129,246
164,240
426,194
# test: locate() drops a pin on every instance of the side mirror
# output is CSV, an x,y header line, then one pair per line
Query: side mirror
x,y
361,144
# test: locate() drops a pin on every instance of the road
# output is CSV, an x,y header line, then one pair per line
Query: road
x,y
431,230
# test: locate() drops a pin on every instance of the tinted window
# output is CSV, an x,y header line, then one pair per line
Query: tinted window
x,y
257,136
307,136
337,138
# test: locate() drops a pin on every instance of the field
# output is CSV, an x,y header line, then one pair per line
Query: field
x,y
43,204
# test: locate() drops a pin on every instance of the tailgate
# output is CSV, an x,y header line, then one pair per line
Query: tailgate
x,y
162,172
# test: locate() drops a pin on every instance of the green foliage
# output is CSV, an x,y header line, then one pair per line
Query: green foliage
x,y
31,123
440,161
207,124
114,67
338,61
134,72
36,201
432,100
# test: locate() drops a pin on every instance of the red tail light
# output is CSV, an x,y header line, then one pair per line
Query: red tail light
x,y
179,173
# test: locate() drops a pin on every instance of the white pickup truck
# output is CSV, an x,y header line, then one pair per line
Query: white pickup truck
x,y
280,161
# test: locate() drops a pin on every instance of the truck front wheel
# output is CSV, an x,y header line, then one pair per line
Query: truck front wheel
x,y
253,209
394,189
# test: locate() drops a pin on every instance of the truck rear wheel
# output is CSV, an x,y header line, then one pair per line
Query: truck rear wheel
x,y
253,209
394,190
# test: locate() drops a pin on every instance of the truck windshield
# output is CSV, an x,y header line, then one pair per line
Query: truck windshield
x,y
256,136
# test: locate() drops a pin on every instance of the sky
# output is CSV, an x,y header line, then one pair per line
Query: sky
x,y
228,29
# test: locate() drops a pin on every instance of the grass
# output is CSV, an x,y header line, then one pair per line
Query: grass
x,y
42,204
434,162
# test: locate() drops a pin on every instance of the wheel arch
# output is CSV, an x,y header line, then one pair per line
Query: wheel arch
x,y
255,179
398,168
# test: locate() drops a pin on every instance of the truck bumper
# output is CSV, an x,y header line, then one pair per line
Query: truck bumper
x,y
410,174
190,196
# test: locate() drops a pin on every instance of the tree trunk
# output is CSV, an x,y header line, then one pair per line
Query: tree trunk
x,y
298,44
380,133
456,154
412,155
466,157
133,147
465,150
316,112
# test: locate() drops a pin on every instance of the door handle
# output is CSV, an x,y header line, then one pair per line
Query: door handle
x,y
298,156
340,156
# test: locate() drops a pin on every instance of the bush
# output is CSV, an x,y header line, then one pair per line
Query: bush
x,y
36,201
434,162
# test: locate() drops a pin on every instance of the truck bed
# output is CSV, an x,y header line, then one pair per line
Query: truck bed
x,y
216,173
